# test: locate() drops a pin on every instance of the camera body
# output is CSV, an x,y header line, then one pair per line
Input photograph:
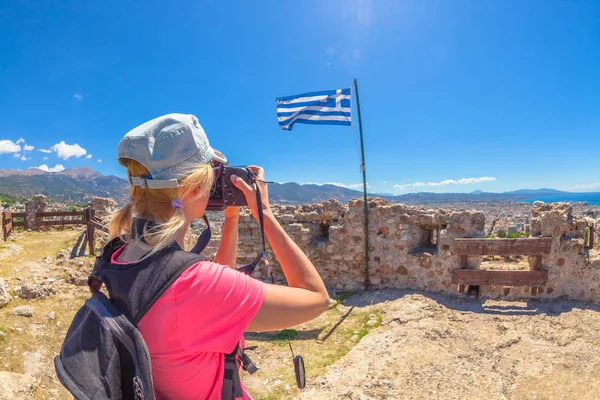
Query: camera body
x,y
225,194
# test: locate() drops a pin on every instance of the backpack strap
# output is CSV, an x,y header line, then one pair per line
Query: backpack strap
x,y
135,288
232,388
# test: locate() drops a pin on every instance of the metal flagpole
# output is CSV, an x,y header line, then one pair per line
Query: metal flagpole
x,y
363,167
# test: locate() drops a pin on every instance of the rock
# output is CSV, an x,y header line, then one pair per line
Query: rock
x,y
60,254
371,322
23,311
5,298
29,291
32,362
15,386
102,206
78,278
375,280
51,316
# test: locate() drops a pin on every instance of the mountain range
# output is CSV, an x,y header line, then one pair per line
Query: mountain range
x,y
79,184
70,185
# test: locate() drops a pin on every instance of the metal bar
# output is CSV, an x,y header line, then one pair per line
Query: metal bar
x,y
363,167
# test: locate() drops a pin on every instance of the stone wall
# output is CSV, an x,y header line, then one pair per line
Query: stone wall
x,y
411,247
37,203
102,206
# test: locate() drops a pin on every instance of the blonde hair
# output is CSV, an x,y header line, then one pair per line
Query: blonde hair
x,y
155,205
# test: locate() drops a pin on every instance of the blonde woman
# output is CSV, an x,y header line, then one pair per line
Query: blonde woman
x,y
202,315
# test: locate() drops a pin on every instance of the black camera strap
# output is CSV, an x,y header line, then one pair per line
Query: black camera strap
x,y
298,361
203,240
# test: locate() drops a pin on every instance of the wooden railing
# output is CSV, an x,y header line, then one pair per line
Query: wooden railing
x,y
57,218
532,247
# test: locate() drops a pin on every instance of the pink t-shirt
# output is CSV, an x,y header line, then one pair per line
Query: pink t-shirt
x,y
198,319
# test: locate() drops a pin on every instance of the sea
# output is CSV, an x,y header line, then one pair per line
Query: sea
x,y
589,198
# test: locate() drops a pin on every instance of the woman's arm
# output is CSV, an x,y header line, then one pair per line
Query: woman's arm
x,y
227,251
306,297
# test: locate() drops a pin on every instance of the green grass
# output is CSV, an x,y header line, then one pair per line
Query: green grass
x,y
362,333
341,297
281,336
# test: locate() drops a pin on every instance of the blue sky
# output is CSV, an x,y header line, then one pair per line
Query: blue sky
x,y
455,95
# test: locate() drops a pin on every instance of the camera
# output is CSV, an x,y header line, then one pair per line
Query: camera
x,y
224,193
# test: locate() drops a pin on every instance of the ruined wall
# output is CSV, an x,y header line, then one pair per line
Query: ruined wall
x,y
37,203
102,206
411,247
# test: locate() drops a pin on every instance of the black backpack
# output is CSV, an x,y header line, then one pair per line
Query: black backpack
x,y
104,355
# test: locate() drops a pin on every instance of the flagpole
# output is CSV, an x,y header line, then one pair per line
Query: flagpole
x,y
363,167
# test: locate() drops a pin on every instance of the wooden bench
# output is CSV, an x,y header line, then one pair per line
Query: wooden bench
x,y
533,247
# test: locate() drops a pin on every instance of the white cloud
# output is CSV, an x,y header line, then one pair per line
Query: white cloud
x,y
45,151
21,140
8,146
585,187
23,158
66,151
447,182
56,168
16,155
28,147
45,158
416,184
99,160
78,97
88,156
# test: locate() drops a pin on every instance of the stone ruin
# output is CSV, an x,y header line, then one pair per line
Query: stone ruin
x,y
411,247
37,203
102,206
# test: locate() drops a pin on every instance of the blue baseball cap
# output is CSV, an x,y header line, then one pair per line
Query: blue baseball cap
x,y
169,147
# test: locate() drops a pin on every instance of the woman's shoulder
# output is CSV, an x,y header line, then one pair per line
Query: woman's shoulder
x,y
212,276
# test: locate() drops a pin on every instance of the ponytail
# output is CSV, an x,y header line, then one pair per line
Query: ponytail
x,y
120,222
163,234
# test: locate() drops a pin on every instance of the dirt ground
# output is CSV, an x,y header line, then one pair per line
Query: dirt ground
x,y
434,347
376,345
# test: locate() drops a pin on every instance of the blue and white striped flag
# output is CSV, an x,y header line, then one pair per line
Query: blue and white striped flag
x,y
329,107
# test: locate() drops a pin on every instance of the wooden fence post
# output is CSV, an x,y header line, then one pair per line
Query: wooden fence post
x,y
6,224
88,217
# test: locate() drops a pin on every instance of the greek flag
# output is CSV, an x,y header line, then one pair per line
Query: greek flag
x,y
329,107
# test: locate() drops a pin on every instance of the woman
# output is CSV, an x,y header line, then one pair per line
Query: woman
x,y
205,312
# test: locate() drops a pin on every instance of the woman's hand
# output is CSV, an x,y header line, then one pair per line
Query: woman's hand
x,y
250,192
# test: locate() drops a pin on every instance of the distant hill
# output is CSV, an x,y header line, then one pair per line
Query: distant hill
x,y
79,184
75,184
